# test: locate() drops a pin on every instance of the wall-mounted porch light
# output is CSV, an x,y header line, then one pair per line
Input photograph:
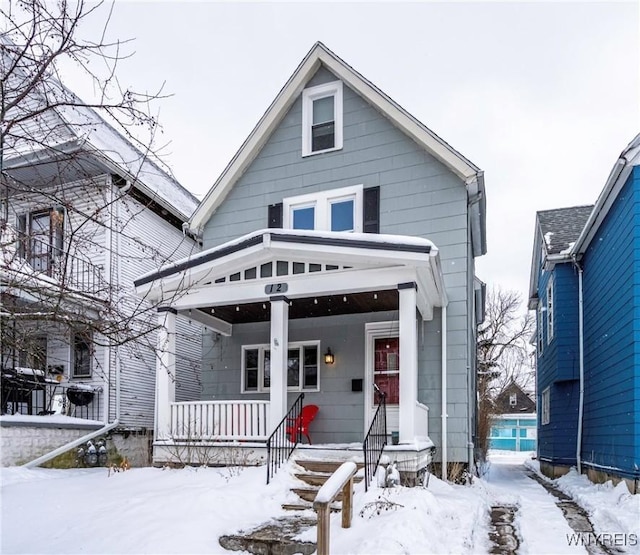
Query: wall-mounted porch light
x,y
328,357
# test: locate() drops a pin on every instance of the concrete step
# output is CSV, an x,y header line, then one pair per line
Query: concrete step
x,y
275,537
318,479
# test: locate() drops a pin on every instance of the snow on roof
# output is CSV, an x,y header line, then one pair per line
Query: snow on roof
x,y
67,120
376,238
101,136
561,227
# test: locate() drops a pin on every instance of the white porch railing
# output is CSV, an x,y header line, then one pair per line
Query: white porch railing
x,y
422,420
220,420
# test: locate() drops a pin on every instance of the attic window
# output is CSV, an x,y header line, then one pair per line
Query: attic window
x,y
513,399
322,118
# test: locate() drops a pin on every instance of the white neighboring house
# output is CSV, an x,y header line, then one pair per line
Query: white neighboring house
x,y
80,217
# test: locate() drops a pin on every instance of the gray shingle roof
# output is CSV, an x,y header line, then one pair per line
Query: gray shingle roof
x,y
561,227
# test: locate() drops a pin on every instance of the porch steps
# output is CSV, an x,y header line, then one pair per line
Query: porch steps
x,y
322,465
319,478
315,473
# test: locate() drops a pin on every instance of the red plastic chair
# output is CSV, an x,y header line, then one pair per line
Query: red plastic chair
x,y
301,423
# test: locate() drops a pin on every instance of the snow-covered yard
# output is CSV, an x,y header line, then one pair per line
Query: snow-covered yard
x,y
151,510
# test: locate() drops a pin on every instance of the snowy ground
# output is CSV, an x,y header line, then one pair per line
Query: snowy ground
x,y
151,510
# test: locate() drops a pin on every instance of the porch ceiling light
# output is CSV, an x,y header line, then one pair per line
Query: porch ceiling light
x,y
328,357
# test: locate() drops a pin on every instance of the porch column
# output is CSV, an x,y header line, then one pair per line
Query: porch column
x,y
165,371
408,332
279,351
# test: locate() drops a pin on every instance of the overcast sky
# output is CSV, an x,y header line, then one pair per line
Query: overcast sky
x,y
542,97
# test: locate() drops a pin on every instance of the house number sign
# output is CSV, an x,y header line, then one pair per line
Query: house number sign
x,y
275,288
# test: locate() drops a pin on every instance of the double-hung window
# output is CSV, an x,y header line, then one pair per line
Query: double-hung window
x,y
550,320
545,416
540,326
333,210
322,118
302,367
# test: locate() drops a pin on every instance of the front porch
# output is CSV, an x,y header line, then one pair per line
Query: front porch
x,y
276,302
232,433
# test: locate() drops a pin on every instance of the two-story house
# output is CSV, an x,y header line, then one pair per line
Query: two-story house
x,y
83,212
584,287
338,262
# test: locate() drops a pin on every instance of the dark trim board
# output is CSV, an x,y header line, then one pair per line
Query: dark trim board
x,y
252,241
282,238
359,244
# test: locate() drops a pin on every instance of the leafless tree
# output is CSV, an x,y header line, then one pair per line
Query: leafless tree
x,y
504,354
56,259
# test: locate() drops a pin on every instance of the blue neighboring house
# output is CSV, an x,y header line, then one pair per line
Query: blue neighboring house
x,y
585,288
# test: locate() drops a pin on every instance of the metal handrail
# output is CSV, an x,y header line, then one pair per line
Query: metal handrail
x,y
279,448
375,440
37,395
71,270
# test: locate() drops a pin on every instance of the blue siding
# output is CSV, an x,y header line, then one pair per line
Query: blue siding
x,y
558,367
611,435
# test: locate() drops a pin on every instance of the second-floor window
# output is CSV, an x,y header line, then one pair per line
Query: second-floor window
x,y
333,210
550,320
41,238
540,330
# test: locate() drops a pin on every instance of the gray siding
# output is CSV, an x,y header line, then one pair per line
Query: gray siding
x,y
341,415
419,196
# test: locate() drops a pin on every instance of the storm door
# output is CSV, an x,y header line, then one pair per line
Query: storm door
x,y
383,371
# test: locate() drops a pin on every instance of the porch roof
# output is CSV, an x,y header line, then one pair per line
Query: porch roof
x,y
302,264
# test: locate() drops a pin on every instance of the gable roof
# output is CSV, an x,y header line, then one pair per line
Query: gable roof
x,y
561,227
558,230
523,404
71,127
320,55
628,159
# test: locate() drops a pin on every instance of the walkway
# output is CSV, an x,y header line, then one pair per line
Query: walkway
x,y
544,520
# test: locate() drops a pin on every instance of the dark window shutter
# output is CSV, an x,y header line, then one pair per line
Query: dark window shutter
x,y
275,215
371,210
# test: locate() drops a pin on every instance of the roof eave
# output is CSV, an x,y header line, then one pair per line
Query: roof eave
x,y
320,54
618,176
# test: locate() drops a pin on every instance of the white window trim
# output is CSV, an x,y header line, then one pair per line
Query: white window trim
x,y
262,347
72,352
322,202
540,330
550,315
545,401
311,94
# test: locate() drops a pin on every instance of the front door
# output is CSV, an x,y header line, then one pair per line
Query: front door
x,y
383,371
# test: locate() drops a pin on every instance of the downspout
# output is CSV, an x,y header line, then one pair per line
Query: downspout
x,y
444,393
581,355
107,270
87,437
